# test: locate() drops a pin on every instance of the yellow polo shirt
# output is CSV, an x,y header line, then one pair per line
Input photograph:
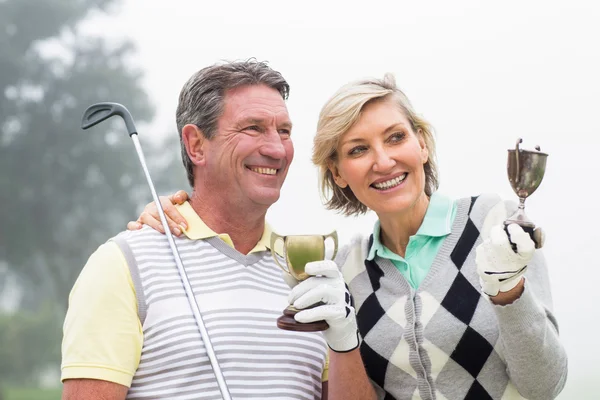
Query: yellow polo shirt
x,y
102,333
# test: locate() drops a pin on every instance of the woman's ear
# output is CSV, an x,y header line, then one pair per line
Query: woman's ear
x,y
423,145
194,142
341,182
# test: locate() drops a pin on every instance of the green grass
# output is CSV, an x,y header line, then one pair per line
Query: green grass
x,y
31,394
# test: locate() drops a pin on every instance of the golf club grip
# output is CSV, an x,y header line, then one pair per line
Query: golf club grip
x,y
530,230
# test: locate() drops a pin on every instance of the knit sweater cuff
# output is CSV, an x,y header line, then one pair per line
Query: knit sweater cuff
x,y
523,314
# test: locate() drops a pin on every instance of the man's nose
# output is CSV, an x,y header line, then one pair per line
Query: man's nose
x,y
273,146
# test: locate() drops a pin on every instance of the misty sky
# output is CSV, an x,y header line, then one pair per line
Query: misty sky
x,y
482,73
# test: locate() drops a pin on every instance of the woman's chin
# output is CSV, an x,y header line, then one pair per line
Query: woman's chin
x,y
400,204
392,207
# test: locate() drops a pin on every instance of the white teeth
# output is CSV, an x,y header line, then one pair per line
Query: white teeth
x,y
265,171
391,183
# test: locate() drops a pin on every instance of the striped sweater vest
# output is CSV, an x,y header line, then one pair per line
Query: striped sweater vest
x,y
240,297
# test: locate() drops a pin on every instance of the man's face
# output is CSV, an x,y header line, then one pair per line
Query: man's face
x,y
248,158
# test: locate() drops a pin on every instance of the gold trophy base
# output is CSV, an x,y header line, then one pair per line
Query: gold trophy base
x,y
288,323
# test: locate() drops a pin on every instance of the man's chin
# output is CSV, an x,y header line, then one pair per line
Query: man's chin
x,y
266,198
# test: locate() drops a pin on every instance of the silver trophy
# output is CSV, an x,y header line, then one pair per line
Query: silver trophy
x,y
526,169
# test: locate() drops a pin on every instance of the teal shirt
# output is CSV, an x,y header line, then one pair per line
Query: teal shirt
x,y
424,245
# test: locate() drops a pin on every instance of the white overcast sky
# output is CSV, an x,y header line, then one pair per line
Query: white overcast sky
x,y
483,73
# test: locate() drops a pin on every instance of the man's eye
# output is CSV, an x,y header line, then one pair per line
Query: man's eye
x,y
253,128
285,132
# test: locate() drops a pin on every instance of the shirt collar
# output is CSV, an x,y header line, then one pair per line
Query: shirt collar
x,y
377,246
198,230
437,223
438,218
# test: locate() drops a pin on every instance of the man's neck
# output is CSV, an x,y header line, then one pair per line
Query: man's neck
x,y
245,228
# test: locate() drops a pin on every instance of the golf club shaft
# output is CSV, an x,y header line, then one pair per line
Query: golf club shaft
x,y
186,283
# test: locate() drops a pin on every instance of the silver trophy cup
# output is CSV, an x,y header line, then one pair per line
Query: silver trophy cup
x,y
526,169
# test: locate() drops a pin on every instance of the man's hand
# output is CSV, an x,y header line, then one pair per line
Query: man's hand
x,y
500,268
150,217
326,285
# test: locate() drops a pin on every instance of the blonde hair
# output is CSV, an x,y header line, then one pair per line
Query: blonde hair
x,y
339,114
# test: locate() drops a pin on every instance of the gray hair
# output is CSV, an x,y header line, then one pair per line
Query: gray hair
x,y
201,101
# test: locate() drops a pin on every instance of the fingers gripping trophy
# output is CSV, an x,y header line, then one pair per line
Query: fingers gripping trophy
x,y
526,169
299,250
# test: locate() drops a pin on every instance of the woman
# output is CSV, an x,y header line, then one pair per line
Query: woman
x,y
444,307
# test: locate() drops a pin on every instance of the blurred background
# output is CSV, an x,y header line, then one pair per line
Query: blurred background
x,y
483,73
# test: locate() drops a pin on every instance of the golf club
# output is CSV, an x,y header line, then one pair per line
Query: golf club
x,y
102,111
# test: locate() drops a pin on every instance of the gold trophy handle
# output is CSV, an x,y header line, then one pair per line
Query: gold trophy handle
x,y
334,236
274,238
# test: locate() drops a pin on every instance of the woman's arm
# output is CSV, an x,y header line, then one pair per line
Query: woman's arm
x,y
347,377
535,358
528,339
150,217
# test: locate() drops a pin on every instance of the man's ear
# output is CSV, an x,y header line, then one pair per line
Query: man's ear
x,y
194,142
341,182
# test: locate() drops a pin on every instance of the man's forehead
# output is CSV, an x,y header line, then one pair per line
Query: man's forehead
x,y
257,102
259,115
254,94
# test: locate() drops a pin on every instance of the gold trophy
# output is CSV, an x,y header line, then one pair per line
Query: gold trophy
x,y
298,250
526,169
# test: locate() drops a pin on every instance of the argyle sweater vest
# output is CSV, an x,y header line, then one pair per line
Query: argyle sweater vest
x,y
240,297
439,342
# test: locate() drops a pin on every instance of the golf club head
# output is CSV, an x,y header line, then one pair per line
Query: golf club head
x,y
100,112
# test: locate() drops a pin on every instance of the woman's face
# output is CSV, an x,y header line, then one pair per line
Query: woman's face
x,y
381,159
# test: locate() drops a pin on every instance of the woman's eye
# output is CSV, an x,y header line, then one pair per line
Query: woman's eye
x,y
396,137
356,150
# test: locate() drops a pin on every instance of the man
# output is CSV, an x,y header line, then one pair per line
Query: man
x,y
129,331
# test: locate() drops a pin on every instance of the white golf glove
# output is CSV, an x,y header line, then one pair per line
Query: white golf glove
x,y
327,285
500,268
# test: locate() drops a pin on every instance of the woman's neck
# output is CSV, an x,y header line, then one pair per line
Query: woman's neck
x,y
396,229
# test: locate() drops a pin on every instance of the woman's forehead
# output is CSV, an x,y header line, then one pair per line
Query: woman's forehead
x,y
376,121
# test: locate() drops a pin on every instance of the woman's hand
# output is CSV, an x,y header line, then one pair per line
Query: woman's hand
x,y
326,284
500,268
150,217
